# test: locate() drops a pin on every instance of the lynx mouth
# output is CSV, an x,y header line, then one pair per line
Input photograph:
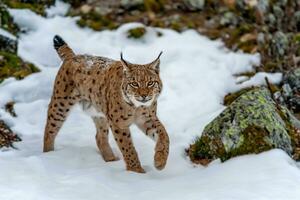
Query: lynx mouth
x,y
143,99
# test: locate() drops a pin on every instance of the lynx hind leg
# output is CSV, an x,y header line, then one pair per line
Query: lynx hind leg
x,y
57,113
62,100
154,129
102,139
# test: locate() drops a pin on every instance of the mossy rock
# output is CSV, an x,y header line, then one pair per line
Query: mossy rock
x,y
253,123
37,6
231,97
6,21
96,22
136,33
13,66
8,43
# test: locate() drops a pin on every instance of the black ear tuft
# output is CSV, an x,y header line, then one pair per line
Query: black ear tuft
x,y
159,54
155,64
123,61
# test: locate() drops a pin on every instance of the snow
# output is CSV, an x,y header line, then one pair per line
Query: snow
x,y
196,74
60,8
7,34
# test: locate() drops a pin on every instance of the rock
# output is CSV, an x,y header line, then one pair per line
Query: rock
x,y
8,42
241,4
290,94
100,10
271,20
281,3
278,12
229,18
297,19
130,4
7,137
260,38
252,3
292,78
194,4
287,90
253,123
263,5
261,9
280,44
13,66
85,9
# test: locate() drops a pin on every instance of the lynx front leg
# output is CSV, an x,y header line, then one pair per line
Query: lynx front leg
x,y
153,128
123,139
102,139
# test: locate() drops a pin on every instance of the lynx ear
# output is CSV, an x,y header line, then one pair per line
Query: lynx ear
x,y
155,64
124,63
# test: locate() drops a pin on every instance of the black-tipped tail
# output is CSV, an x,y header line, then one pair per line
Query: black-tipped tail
x,y
58,42
62,48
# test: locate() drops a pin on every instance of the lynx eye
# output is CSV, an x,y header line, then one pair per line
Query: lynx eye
x,y
150,84
134,84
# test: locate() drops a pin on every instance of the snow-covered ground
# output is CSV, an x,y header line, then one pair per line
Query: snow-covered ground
x,y
196,73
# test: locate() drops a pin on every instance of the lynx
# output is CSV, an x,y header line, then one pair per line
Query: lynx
x,y
116,94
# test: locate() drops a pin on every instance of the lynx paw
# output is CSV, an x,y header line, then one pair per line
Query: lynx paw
x,y
137,170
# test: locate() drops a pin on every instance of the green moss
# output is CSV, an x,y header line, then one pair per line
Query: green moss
x,y
176,25
154,5
271,66
231,97
247,46
242,29
297,38
249,74
12,66
200,149
136,33
6,21
253,142
96,22
35,7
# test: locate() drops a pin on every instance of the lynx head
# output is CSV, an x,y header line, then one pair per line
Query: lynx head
x,y
141,83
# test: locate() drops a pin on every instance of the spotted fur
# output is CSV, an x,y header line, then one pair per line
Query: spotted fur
x,y
116,94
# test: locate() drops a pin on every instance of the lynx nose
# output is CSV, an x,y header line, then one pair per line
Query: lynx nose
x,y
143,98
